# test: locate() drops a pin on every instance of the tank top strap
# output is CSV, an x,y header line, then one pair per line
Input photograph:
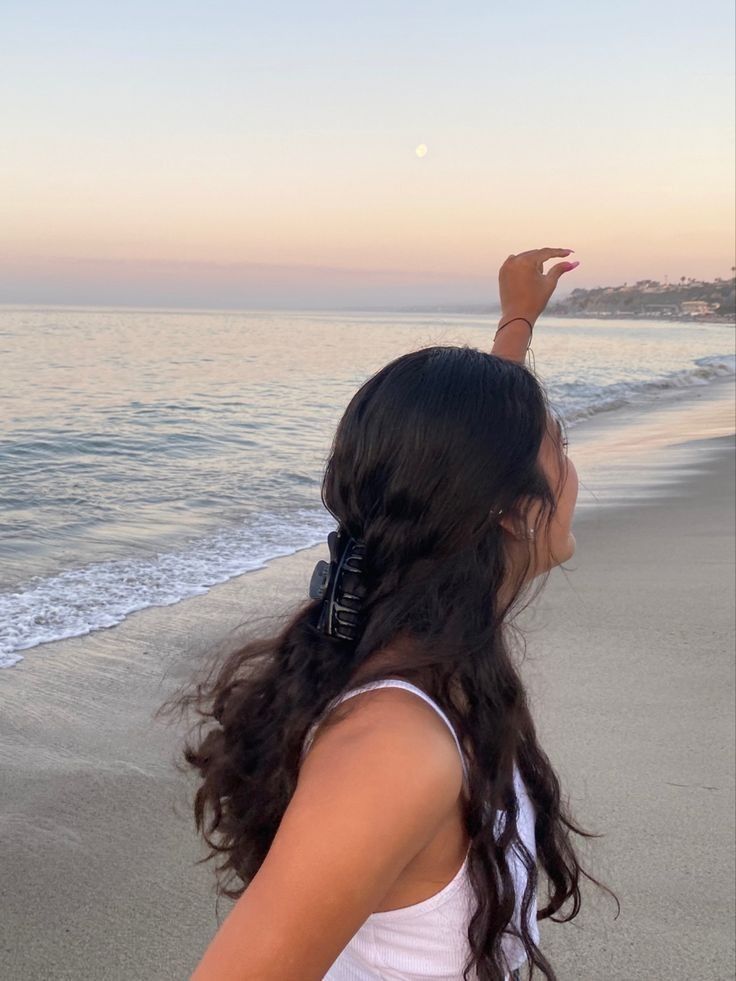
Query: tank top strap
x,y
393,683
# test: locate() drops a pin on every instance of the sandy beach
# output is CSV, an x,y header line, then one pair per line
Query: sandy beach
x,y
631,665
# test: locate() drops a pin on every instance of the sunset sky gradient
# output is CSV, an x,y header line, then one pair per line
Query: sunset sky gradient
x,y
243,155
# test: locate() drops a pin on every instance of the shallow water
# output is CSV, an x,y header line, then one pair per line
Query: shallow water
x,y
147,455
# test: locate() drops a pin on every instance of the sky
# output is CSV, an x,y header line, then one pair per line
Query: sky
x,y
241,155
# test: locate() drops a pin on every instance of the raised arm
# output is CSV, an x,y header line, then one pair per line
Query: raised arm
x,y
524,291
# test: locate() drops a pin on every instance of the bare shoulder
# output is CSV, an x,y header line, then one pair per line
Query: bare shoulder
x,y
373,790
379,718
381,738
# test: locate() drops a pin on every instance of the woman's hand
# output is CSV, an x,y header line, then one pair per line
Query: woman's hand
x,y
524,290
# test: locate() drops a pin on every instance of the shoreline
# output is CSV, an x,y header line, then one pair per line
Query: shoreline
x,y
624,453
630,672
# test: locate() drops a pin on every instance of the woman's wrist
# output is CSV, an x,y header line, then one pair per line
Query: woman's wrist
x,y
513,341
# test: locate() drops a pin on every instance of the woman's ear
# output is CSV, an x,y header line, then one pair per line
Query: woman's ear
x,y
511,525
514,523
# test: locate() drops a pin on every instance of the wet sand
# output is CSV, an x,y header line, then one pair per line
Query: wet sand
x,y
631,667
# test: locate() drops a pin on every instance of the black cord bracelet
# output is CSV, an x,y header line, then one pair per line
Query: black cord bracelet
x,y
531,328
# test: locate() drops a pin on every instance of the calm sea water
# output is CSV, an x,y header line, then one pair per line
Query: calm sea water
x,y
146,455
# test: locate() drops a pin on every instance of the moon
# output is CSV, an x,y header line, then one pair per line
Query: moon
x,y
421,150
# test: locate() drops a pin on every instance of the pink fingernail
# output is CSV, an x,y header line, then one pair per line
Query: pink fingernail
x,y
568,250
571,265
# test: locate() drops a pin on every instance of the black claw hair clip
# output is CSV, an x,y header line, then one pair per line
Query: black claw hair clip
x,y
338,583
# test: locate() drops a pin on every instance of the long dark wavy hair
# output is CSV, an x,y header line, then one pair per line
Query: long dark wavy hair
x,y
427,451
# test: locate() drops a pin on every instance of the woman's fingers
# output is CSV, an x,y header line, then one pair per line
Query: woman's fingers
x,y
542,255
559,268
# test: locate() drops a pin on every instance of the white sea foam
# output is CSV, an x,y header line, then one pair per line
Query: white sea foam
x,y
78,601
581,401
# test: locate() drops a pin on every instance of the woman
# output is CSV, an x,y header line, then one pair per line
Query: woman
x,y
399,836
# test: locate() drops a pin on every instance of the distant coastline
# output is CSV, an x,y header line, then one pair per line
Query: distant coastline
x,y
689,301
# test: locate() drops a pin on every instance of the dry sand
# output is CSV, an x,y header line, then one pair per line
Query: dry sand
x,y
631,665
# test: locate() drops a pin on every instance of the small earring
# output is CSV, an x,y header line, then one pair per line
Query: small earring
x,y
530,533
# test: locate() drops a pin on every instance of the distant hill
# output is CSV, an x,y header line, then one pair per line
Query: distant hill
x,y
689,299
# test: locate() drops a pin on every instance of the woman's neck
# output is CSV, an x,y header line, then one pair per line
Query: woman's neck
x,y
394,661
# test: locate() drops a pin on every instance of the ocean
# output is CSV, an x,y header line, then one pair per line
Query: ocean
x,y
147,455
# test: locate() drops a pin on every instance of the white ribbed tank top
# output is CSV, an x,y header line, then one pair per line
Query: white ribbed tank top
x,y
429,940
